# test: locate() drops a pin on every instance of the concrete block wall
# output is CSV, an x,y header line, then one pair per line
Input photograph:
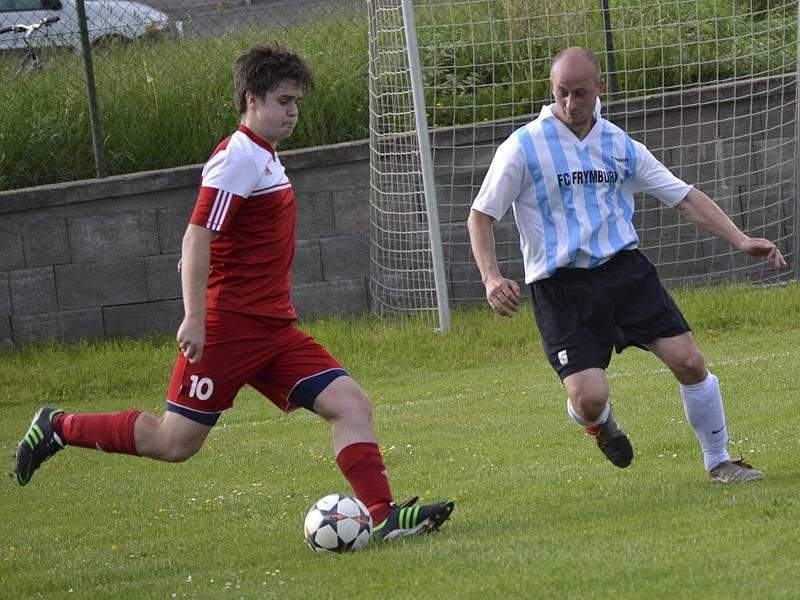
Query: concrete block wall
x,y
97,259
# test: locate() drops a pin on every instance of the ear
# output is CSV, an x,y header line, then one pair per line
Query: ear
x,y
601,87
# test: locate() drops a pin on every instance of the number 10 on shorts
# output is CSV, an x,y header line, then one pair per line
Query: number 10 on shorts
x,y
201,388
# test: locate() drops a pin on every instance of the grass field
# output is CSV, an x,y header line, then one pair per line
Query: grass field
x,y
477,416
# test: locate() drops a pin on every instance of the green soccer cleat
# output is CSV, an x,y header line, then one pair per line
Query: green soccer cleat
x,y
734,470
39,444
407,519
612,441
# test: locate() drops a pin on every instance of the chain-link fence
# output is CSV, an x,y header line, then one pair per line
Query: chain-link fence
x,y
164,80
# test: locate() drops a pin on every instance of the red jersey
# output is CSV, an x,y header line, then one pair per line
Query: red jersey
x,y
246,197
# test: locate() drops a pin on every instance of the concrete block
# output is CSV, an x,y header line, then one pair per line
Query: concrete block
x,y
163,279
31,329
736,164
479,155
341,176
11,252
738,118
345,256
113,236
466,279
455,243
775,159
45,242
33,291
171,224
307,265
765,211
680,258
466,286
315,216
341,297
651,215
455,202
81,324
5,295
6,338
101,283
695,164
351,211
141,320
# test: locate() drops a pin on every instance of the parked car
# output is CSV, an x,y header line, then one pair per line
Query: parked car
x,y
106,20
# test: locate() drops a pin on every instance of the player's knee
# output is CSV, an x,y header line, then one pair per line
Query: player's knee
x,y
178,446
362,405
589,402
346,402
691,368
356,407
591,410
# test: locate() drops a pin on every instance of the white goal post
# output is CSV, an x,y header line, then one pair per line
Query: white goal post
x,y
710,88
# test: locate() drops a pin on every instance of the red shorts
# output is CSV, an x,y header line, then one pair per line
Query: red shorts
x,y
286,365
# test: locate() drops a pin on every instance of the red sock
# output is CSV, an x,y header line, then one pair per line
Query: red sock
x,y
109,432
362,465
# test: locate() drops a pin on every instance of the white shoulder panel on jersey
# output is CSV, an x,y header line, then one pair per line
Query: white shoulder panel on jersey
x,y
656,179
232,170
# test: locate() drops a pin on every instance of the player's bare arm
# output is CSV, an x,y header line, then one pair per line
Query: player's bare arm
x,y
699,209
501,293
196,256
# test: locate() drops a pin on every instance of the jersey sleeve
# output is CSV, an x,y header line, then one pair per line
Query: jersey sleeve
x,y
229,177
654,178
503,182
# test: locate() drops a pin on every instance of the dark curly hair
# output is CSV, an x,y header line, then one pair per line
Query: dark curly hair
x,y
261,70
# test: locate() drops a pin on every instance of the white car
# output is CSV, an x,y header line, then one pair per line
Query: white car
x,y
106,20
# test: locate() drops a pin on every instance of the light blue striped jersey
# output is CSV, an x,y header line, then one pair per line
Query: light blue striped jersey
x,y
572,199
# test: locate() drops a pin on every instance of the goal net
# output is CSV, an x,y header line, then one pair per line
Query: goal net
x,y
709,87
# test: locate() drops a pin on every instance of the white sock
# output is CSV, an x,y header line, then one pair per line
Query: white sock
x,y
702,403
573,414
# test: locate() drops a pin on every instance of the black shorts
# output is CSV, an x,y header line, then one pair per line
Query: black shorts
x,y
583,314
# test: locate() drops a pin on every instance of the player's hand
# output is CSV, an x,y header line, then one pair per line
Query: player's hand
x,y
762,247
191,338
503,296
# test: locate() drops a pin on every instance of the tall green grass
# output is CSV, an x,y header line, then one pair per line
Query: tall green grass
x,y
168,104
477,415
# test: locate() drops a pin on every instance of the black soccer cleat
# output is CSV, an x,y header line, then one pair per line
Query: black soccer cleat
x,y
39,444
612,441
411,518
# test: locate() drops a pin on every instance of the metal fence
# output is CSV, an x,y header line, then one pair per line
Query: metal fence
x,y
163,74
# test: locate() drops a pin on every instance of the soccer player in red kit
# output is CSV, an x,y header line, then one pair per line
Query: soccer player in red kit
x,y
238,326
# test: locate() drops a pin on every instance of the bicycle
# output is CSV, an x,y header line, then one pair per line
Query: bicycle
x,y
32,52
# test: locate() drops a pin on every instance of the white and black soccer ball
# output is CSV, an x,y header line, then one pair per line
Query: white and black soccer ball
x,y
338,523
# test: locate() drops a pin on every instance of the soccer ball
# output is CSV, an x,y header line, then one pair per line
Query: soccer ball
x,y
338,523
